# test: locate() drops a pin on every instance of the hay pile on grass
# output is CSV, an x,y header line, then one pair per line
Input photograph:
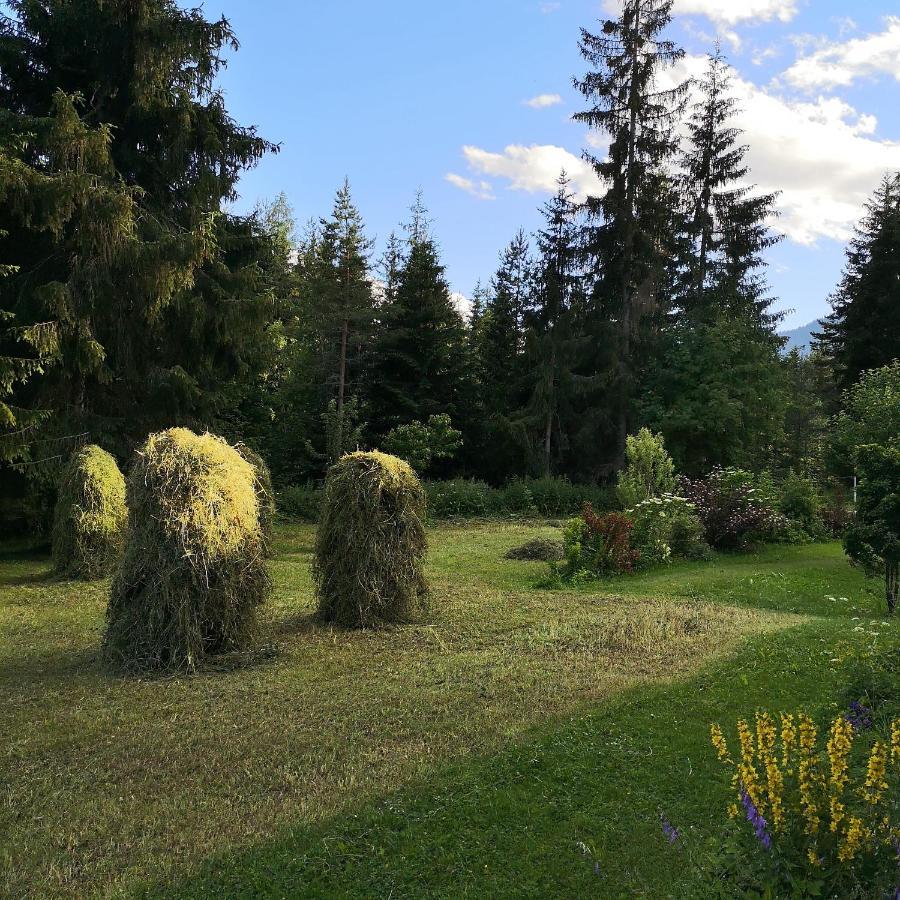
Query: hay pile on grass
x,y
539,549
265,494
90,515
193,574
371,543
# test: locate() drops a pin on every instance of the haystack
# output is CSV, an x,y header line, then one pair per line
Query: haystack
x,y
265,494
371,543
193,574
90,515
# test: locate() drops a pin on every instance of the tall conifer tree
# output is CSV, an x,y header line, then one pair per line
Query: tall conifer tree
x,y
117,235
419,364
552,341
863,330
631,236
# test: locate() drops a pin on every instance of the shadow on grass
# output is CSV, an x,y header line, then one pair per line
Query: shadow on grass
x,y
572,810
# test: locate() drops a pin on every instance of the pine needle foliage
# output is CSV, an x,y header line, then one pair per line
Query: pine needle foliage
x,y
193,573
371,543
90,517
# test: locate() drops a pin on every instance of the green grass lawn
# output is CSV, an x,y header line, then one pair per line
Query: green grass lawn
x,y
519,743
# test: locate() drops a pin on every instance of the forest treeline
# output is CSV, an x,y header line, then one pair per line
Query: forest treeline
x,y
133,297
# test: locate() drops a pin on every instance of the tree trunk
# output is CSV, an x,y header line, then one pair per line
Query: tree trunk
x,y
342,366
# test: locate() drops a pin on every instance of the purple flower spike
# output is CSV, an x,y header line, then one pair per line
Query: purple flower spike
x,y
757,820
859,716
669,830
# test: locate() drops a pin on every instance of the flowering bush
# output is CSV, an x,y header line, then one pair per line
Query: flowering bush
x,y
596,545
666,527
733,510
808,821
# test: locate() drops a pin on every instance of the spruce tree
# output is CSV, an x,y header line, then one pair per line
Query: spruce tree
x,y
863,330
630,238
552,338
419,364
116,234
726,229
502,337
343,304
717,386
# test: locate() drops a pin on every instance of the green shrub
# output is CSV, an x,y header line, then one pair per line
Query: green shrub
x,y
801,502
666,527
515,499
649,470
420,445
90,515
595,545
301,503
193,574
265,493
370,547
873,540
460,498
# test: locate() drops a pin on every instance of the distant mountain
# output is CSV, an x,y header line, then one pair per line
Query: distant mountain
x,y
800,338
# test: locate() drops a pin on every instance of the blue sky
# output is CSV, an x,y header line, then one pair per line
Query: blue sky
x,y
405,94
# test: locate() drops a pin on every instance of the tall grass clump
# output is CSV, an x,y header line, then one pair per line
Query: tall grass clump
x,y
265,493
90,516
193,574
370,547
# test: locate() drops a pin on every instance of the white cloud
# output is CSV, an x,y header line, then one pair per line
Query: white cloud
x,y
534,169
731,12
482,190
821,155
727,13
542,101
840,64
463,304
547,8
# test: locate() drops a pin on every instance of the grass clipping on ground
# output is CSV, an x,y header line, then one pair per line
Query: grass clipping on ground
x,y
90,515
371,543
193,573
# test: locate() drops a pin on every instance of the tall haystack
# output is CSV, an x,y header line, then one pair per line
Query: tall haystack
x,y
193,573
90,515
265,494
371,543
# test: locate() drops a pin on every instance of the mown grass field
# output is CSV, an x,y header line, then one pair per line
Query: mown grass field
x,y
519,743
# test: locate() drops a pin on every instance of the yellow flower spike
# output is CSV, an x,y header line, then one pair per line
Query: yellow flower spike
x,y
876,783
836,811
813,859
839,744
808,774
719,742
895,742
733,811
788,740
748,776
853,840
765,741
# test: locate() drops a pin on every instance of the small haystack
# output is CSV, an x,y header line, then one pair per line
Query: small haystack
x,y
371,543
265,495
90,515
539,549
193,574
